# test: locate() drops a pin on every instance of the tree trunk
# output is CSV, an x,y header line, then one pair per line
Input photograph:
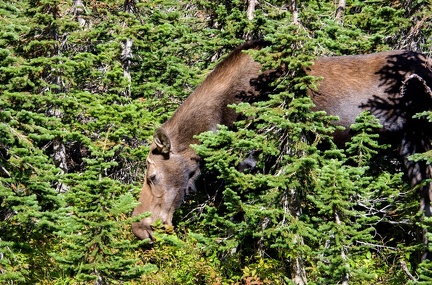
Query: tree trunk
x,y
126,56
297,267
60,161
292,207
251,9
294,10
79,8
345,276
340,10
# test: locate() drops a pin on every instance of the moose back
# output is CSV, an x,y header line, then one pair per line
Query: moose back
x,y
393,86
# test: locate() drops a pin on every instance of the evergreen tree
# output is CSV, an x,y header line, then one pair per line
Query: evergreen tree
x,y
28,177
83,85
94,244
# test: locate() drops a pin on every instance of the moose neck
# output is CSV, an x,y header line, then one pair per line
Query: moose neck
x,y
207,106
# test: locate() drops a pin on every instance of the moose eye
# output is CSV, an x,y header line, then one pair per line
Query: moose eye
x,y
152,179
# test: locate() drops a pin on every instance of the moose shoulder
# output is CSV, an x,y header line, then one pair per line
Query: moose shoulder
x,y
392,85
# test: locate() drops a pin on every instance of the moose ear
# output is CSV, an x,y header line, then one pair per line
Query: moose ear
x,y
162,141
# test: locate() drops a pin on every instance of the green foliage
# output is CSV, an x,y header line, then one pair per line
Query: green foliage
x,y
82,89
425,274
364,144
94,245
181,261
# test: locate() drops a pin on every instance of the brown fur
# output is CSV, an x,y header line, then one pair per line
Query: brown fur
x,y
392,85
174,171
372,82
207,106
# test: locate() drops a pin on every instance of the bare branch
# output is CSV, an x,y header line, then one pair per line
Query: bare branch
x,y
405,269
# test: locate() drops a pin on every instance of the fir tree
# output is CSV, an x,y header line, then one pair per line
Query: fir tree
x,y
83,85
94,245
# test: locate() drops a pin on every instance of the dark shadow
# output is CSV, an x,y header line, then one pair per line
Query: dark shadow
x,y
406,79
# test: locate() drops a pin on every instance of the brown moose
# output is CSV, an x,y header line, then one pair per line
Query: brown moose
x,y
392,85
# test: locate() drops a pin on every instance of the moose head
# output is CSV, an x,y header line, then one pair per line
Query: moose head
x,y
172,165
171,174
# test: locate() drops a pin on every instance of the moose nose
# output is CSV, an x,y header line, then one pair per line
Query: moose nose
x,y
142,231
